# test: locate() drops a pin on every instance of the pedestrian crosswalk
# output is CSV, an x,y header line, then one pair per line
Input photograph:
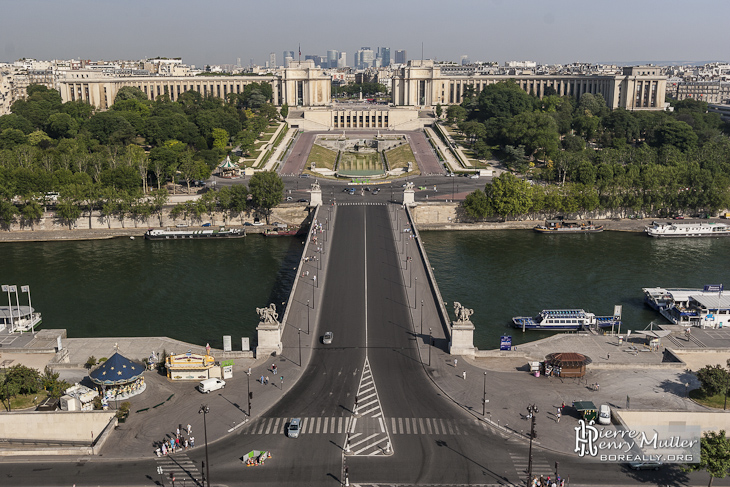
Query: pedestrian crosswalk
x,y
368,432
360,203
341,425
540,465
180,466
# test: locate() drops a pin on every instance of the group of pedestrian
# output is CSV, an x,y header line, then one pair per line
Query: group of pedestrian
x,y
541,481
177,442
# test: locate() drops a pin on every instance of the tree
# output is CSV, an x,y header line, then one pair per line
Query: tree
x,y
439,110
714,379
51,384
8,212
267,189
284,111
159,199
32,211
714,456
455,113
130,93
476,205
220,138
508,195
503,100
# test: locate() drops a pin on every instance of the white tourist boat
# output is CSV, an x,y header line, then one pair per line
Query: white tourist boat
x,y
158,234
564,319
688,229
18,319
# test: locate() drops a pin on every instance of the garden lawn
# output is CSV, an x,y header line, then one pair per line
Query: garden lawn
x,y
400,156
323,158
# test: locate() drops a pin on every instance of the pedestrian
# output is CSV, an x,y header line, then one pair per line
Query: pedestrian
x,y
177,442
562,406
192,442
456,361
190,429
186,443
558,417
463,374
177,433
262,379
267,380
608,356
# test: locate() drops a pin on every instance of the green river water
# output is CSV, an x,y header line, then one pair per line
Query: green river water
x,y
198,291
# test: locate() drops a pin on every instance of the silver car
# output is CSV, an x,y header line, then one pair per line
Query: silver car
x,y
327,338
292,431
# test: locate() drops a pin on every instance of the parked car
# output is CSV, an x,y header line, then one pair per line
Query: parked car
x,y
206,224
327,338
604,414
304,175
292,430
302,200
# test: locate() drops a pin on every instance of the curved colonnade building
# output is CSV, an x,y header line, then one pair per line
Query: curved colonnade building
x,y
416,88
420,83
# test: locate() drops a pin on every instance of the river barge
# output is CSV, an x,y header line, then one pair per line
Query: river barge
x,y
157,234
708,307
689,229
564,319
560,227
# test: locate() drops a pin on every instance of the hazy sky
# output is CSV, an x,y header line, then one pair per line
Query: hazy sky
x,y
219,31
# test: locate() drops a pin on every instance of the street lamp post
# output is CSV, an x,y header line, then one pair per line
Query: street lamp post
x,y
204,410
415,293
248,390
532,411
484,400
300,346
430,345
308,308
422,317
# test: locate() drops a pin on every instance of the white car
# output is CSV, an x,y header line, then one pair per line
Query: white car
x,y
327,338
474,176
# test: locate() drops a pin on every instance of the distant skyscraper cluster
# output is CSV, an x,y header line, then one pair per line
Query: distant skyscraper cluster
x,y
364,58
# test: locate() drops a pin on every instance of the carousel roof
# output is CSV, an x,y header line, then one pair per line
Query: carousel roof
x,y
115,371
567,359
227,164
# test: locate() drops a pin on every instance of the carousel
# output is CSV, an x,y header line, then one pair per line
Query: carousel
x,y
228,169
118,379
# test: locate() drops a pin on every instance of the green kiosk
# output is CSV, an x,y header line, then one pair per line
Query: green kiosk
x,y
587,410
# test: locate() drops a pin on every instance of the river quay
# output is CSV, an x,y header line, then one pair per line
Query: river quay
x,y
64,234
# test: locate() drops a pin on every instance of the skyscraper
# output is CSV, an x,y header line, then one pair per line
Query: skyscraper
x,y
384,56
342,60
364,58
400,56
332,58
272,60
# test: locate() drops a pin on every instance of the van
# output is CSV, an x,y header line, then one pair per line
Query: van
x,y
209,385
604,414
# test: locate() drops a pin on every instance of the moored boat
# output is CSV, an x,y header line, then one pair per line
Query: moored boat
x,y
563,319
18,319
158,234
707,307
688,229
560,226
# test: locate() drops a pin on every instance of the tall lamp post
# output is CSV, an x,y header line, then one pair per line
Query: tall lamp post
x,y
300,346
484,399
204,410
532,411
422,317
415,293
308,317
248,390
430,345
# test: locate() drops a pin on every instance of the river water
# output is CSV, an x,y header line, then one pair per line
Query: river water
x,y
198,291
